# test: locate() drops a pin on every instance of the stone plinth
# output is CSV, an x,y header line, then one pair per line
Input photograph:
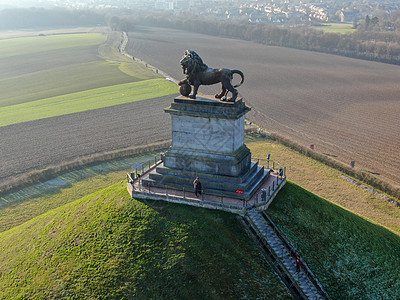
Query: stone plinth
x,y
208,142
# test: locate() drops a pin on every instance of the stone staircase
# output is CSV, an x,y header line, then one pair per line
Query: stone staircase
x,y
303,284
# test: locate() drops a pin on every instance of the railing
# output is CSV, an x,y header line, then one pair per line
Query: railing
x,y
291,249
259,199
147,166
274,165
173,191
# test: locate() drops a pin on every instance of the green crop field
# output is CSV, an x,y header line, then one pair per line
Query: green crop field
x,y
47,76
87,100
342,28
29,45
68,79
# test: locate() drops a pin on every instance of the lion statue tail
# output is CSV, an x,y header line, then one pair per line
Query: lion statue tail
x,y
241,75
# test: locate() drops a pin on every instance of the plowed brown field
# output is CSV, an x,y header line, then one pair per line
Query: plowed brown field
x,y
348,108
38,144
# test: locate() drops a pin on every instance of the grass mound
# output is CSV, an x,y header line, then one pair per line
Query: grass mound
x,y
107,245
352,258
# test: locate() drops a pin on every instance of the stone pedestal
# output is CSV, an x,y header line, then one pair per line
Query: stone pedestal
x,y
208,142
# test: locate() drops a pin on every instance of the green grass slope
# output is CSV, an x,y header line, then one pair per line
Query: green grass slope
x,y
352,258
107,245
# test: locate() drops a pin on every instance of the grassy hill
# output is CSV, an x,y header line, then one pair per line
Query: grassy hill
x,y
352,258
107,245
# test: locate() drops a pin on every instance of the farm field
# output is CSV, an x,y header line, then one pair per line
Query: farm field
x,y
347,108
342,28
29,146
65,96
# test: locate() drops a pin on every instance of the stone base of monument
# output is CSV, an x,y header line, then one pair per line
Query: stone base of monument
x,y
240,187
208,142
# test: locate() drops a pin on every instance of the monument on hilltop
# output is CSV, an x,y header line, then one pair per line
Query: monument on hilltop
x,y
208,138
198,73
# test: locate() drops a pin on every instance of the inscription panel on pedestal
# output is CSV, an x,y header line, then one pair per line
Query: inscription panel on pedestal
x,y
212,134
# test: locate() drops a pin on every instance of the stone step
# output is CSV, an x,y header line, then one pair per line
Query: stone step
x,y
284,255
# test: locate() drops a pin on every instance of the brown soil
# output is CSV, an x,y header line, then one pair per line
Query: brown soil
x,y
348,108
48,142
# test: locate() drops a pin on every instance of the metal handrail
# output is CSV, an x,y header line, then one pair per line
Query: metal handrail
x,y
304,265
134,175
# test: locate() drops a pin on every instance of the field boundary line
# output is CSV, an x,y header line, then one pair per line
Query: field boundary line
x,y
54,171
147,65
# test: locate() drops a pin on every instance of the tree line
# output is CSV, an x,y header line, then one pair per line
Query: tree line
x,y
370,41
20,18
383,46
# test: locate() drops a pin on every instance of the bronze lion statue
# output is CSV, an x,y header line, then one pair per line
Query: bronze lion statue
x,y
198,73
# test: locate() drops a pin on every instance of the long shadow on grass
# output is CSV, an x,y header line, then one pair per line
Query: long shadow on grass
x,y
215,257
352,257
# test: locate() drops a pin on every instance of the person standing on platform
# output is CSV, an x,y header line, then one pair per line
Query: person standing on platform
x,y
197,187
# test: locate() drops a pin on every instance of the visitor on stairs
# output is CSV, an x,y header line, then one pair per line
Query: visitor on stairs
x,y
298,263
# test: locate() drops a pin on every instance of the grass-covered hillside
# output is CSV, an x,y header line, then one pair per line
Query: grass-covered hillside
x,y
352,258
107,245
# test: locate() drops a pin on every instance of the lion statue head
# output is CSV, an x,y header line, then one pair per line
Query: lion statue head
x,y
192,63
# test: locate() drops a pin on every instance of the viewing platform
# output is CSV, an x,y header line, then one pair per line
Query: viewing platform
x,y
260,200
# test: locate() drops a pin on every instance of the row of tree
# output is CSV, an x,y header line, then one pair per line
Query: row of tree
x,y
381,46
365,43
20,18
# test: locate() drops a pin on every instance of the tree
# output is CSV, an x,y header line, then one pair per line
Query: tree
x,y
126,25
114,23
367,22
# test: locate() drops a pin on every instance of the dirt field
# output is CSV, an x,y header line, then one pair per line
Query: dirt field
x,y
348,108
38,144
